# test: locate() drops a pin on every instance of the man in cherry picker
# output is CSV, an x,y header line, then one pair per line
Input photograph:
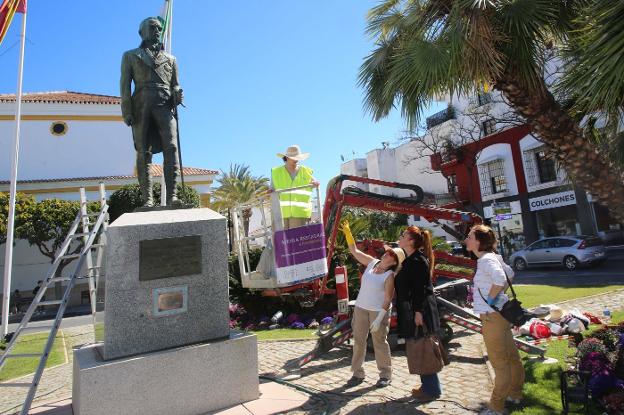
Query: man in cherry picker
x,y
295,205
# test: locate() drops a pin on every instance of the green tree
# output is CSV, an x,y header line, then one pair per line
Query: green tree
x,y
23,209
128,198
594,58
48,226
428,48
239,186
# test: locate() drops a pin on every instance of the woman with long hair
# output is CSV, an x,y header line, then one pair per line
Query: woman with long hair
x,y
416,305
372,309
490,283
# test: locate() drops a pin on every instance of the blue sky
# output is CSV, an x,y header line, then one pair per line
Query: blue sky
x,y
258,75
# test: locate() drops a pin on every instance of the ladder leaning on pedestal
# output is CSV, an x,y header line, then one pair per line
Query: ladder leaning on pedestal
x,y
91,230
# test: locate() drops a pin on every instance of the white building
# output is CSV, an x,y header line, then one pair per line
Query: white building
x,y
70,140
402,164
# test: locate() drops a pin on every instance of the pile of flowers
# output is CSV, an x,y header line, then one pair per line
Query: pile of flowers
x,y
242,320
601,356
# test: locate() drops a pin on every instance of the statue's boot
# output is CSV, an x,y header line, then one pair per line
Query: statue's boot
x,y
171,180
147,193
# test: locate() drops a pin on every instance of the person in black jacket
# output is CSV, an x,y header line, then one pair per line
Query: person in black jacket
x,y
416,305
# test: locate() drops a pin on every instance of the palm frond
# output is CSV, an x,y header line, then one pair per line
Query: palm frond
x,y
595,59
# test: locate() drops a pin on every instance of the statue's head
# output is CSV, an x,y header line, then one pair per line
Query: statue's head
x,y
150,30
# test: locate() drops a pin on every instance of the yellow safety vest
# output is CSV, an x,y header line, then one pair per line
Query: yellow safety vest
x,y
294,203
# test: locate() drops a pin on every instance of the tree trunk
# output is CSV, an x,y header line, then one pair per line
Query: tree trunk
x,y
580,157
246,218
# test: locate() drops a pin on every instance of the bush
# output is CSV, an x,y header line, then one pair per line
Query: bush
x,y
590,345
608,337
128,198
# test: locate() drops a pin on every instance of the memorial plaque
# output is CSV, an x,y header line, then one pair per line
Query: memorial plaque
x,y
169,257
170,301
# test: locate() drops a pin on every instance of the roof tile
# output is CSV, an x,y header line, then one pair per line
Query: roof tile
x,y
63,97
156,171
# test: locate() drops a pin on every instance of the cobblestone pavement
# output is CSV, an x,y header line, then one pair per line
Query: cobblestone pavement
x,y
56,382
466,381
595,304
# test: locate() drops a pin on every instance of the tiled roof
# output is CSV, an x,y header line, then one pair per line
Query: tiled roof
x,y
63,97
156,172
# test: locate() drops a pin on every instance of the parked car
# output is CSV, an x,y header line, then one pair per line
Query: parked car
x,y
569,251
456,247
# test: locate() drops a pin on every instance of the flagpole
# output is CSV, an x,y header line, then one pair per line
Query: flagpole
x,y
8,250
167,44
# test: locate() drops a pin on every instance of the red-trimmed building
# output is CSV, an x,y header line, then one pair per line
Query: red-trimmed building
x,y
508,178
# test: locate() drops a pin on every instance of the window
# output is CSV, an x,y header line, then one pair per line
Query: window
x,y
543,244
492,177
58,128
451,182
484,98
564,243
84,297
488,127
540,168
545,167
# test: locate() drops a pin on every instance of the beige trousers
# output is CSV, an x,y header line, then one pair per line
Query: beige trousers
x,y
360,324
505,359
290,223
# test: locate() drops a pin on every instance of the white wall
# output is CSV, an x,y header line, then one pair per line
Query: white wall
x,y
90,148
355,167
29,266
381,165
413,170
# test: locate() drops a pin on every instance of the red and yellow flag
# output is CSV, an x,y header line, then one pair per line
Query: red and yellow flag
x,y
8,8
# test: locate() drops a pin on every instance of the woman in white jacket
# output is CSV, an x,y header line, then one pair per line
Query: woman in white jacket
x,y
489,295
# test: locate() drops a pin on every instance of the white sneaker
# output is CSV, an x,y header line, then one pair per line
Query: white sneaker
x,y
513,401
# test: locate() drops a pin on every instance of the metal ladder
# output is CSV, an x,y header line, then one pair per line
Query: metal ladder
x,y
91,230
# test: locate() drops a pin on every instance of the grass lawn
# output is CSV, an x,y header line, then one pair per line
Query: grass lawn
x,y
31,343
534,295
286,334
542,393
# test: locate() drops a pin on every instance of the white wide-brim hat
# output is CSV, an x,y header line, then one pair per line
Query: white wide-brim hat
x,y
294,152
556,313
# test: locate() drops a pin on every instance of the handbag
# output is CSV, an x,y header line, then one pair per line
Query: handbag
x,y
512,310
425,355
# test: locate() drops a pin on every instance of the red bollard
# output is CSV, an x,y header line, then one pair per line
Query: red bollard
x,y
342,292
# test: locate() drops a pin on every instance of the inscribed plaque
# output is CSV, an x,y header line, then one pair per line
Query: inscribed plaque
x,y
169,257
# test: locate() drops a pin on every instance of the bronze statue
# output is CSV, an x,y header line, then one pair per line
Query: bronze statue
x,y
151,109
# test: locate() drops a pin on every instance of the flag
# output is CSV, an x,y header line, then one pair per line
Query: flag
x,y
8,8
165,20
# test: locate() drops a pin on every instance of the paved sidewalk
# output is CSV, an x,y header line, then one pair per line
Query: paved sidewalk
x,y
466,381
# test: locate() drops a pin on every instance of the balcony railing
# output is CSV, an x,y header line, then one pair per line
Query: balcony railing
x,y
440,117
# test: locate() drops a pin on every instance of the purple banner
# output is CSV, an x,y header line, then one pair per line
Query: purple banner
x,y
299,245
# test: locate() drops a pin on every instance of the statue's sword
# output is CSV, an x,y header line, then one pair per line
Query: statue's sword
x,y
175,114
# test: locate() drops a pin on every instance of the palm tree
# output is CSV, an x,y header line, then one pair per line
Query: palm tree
x,y
426,48
595,57
239,186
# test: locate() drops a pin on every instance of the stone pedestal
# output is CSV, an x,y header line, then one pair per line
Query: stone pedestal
x,y
188,380
166,281
167,346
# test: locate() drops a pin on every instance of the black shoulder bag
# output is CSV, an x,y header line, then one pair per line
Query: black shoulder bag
x,y
512,310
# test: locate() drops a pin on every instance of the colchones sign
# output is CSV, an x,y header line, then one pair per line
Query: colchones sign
x,y
552,201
